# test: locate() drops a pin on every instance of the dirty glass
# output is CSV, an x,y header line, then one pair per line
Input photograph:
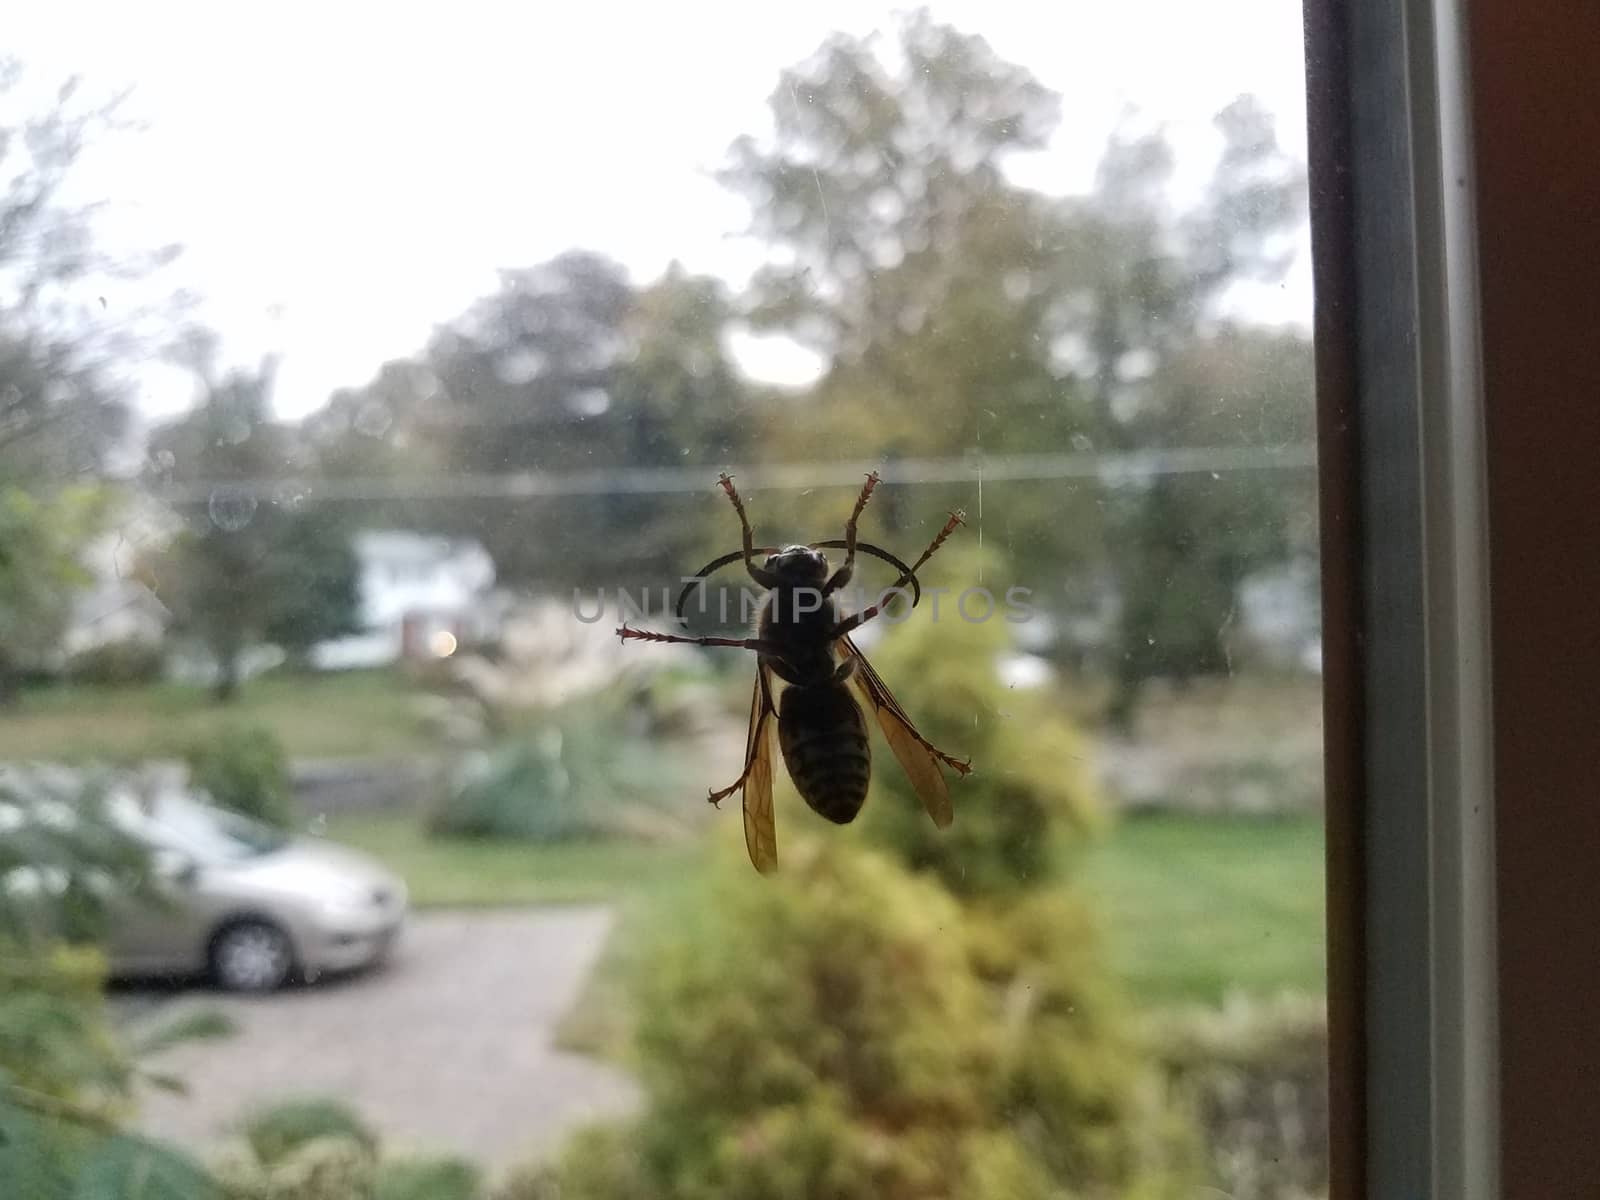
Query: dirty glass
x,y
362,378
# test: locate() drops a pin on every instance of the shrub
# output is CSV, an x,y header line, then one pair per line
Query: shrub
x,y
245,770
577,774
1029,792
844,1029
1255,1077
124,663
321,1168
320,1149
277,1131
428,1179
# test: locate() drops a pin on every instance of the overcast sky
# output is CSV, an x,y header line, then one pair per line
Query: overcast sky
x,y
344,176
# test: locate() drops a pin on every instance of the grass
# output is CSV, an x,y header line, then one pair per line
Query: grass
x,y
346,714
1195,907
1192,907
459,873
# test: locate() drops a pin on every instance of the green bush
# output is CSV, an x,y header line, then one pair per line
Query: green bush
x,y
67,1086
277,1131
844,1029
321,1149
245,770
321,1168
578,774
428,1179
125,663
1029,792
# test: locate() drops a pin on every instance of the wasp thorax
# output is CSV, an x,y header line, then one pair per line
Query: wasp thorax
x,y
798,566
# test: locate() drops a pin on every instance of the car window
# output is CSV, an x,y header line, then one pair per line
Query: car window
x,y
208,834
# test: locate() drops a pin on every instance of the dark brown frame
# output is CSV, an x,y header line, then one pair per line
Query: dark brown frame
x,y
1456,232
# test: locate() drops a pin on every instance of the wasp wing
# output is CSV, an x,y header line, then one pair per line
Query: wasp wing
x,y
760,835
918,757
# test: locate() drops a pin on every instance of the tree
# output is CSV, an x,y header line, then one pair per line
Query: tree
x,y
1186,542
40,540
1142,290
568,368
964,316
875,176
62,403
248,569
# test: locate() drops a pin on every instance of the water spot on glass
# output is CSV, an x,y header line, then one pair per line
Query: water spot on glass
x,y
1082,443
231,510
319,824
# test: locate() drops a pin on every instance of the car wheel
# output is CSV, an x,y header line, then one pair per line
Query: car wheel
x,y
251,956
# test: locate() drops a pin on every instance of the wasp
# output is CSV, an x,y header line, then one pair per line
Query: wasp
x,y
804,642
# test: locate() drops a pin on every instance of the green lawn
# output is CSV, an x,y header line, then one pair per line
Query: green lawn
x,y
1195,907
444,872
347,714
1192,907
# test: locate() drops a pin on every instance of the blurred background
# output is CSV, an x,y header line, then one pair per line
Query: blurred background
x,y
360,374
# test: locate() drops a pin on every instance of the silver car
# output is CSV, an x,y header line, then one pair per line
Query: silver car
x,y
247,904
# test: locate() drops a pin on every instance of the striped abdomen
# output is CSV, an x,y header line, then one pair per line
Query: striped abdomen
x,y
825,747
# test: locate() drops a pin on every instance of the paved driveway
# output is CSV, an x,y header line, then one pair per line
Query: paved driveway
x,y
446,1047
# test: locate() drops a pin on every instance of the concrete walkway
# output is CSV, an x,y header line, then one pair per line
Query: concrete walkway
x,y
447,1047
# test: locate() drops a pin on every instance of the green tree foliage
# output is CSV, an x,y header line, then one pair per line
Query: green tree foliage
x,y
1186,542
245,770
62,399
962,315
248,569
1143,304
568,368
40,540
67,1081
901,251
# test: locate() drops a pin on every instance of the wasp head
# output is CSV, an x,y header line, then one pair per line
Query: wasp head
x,y
798,566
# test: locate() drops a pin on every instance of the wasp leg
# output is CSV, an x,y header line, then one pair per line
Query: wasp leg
x,y
849,624
847,568
765,578
645,635
720,794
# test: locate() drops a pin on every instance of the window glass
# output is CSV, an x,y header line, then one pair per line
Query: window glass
x,y
380,401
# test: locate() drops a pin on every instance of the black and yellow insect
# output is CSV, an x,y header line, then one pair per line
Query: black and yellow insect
x,y
803,642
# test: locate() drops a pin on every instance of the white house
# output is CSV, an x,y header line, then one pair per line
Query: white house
x,y
115,606
421,596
